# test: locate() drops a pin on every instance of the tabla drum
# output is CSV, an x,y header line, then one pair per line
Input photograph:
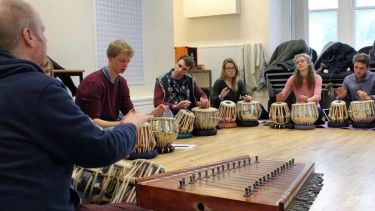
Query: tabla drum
x,y
338,114
248,113
206,120
145,144
304,115
362,113
279,115
227,114
185,121
165,130
97,185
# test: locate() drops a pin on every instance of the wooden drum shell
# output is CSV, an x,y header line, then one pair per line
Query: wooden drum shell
x,y
227,111
145,139
185,120
279,113
338,112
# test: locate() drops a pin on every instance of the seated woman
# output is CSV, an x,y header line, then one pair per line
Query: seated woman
x,y
306,85
228,86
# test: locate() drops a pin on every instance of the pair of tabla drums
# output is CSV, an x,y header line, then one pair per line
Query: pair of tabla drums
x,y
155,137
361,113
244,114
200,121
304,115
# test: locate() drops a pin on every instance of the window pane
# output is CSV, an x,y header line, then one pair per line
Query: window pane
x,y
323,4
364,27
322,29
364,3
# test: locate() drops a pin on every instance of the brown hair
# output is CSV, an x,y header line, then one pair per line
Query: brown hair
x,y
298,80
362,58
188,60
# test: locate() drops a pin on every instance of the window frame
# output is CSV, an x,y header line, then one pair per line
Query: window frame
x,y
345,20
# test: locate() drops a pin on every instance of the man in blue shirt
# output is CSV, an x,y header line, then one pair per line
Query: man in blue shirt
x,y
359,85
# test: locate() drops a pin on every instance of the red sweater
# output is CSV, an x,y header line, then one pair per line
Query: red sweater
x,y
98,97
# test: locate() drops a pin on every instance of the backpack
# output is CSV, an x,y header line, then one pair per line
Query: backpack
x,y
336,59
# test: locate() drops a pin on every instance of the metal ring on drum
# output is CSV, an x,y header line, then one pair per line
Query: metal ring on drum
x,y
304,115
165,130
248,113
279,115
206,120
338,114
362,113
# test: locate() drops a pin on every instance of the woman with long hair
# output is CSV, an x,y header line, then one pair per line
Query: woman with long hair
x,y
305,83
228,86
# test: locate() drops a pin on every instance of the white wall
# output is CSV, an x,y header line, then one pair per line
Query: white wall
x,y
265,21
224,29
70,31
71,37
158,46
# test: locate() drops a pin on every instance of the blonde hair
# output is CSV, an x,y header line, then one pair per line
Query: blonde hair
x,y
117,47
235,78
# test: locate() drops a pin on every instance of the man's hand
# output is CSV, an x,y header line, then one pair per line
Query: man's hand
x,y
159,110
182,104
203,103
363,95
138,119
341,92
246,98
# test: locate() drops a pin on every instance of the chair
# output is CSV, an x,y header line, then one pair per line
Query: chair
x,y
67,80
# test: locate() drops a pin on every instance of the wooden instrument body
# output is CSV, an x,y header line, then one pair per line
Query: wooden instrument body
x,y
225,190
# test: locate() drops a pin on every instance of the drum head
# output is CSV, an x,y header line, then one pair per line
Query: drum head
x,y
338,102
279,104
228,103
209,109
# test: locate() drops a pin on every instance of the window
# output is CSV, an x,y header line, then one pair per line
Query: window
x,y
322,23
364,22
347,21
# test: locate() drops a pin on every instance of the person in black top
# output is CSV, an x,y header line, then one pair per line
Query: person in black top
x,y
228,86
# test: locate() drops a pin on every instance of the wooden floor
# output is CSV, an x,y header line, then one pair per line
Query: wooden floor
x,y
345,157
